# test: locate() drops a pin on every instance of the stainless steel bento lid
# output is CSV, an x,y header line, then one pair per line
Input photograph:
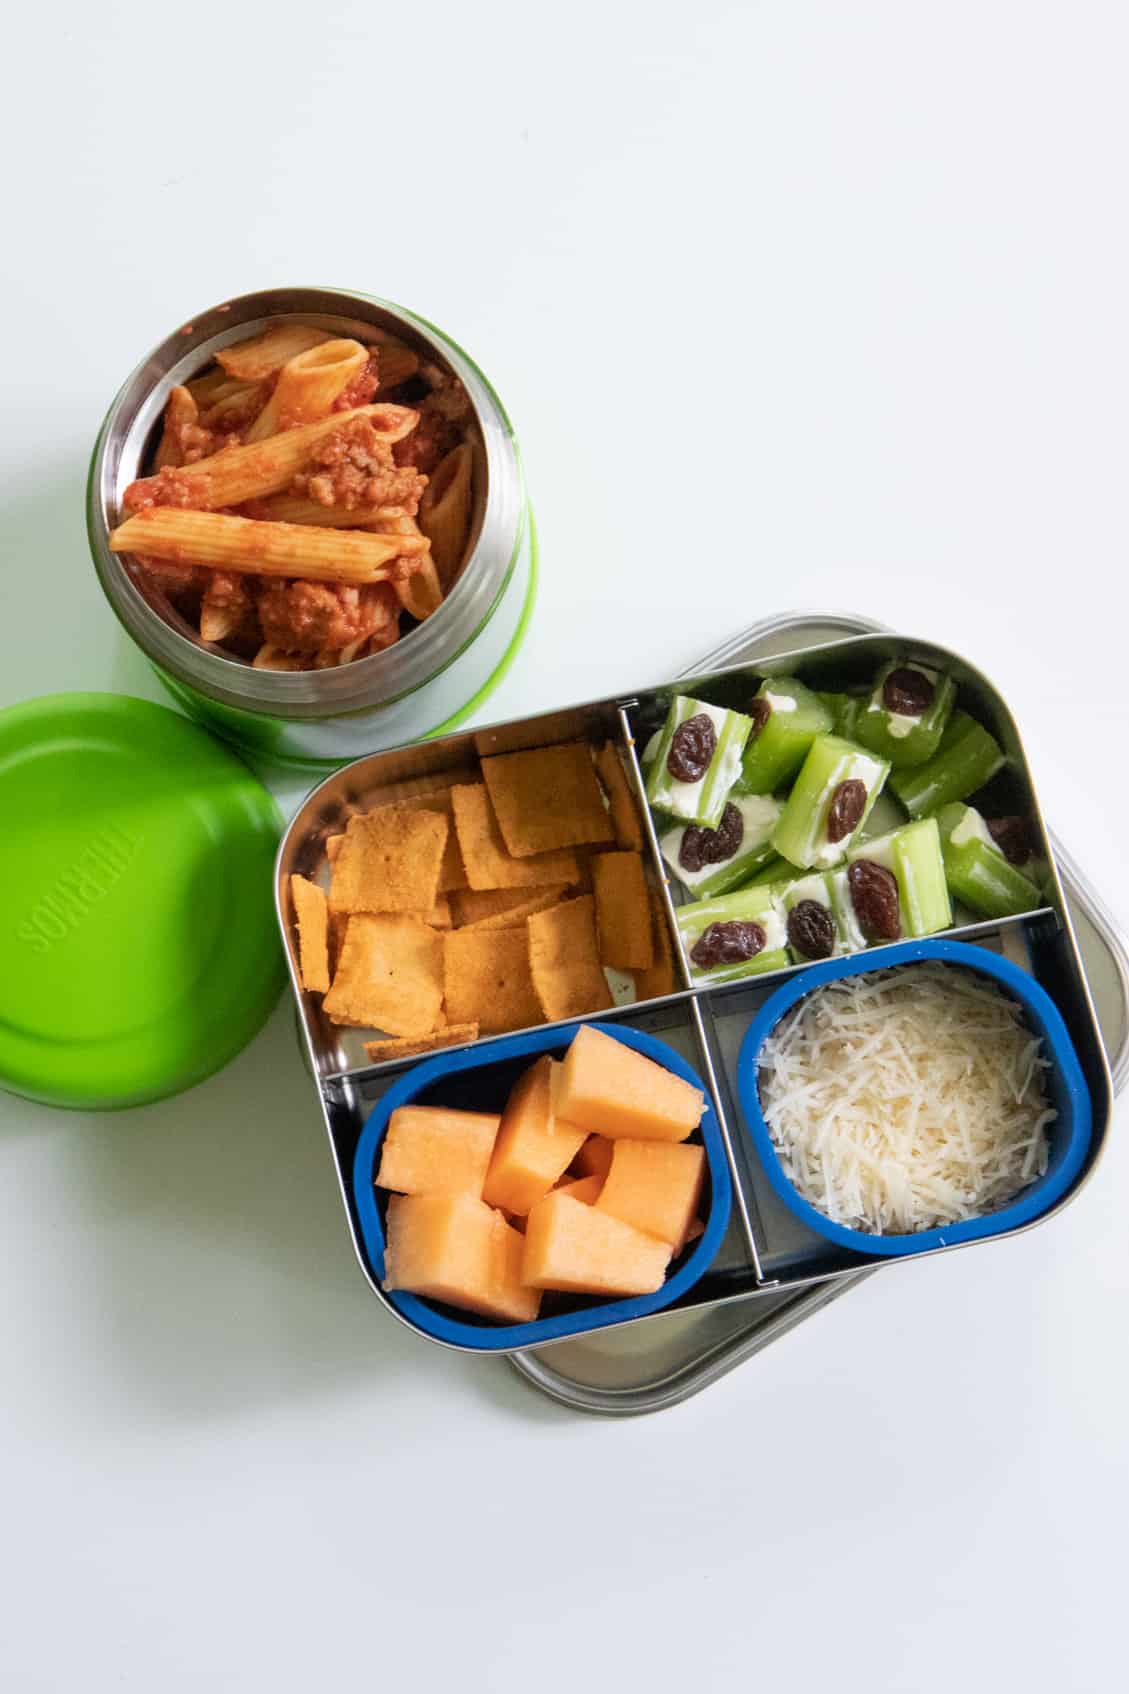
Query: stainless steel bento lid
x,y
365,683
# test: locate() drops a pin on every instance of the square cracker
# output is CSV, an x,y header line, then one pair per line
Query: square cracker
x,y
403,1047
502,908
625,815
486,979
659,980
547,798
389,976
389,861
451,872
488,863
312,917
623,911
564,960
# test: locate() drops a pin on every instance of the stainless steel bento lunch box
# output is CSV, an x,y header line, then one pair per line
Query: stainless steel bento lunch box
x,y
770,1270
425,683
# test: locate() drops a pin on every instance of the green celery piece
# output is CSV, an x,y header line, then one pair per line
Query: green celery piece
x,y
776,870
902,739
759,814
796,717
817,886
913,854
978,873
801,834
703,801
843,907
844,709
966,758
746,905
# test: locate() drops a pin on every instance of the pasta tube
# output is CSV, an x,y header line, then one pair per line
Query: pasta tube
x,y
262,549
261,355
308,385
181,412
444,511
420,592
262,467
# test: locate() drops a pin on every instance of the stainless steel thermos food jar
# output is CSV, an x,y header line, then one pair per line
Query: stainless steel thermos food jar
x,y
428,681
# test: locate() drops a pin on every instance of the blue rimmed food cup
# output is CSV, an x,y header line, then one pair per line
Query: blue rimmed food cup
x,y
1068,1135
479,1079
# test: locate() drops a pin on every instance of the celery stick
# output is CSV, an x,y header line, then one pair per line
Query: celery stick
x,y
812,812
964,761
913,854
836,937
978,873
790,717
758,813
776,870
844,709
760,906
701,800
906,737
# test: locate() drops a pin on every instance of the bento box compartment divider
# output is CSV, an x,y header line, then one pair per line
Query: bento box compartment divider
x,y
635,775
718,1097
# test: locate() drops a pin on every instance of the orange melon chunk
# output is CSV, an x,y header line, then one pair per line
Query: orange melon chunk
x,y
655,1187
533,1145
586,1188
453,1248
594,1158
430,1150
615,1091
579,1250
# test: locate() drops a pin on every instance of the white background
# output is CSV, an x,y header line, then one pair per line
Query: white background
x,y
793,304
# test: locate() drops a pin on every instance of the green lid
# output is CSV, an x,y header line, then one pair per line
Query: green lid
x,y
138,948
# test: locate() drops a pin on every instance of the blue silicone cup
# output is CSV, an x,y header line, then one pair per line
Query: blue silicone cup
x,y
479,1079
1068,1135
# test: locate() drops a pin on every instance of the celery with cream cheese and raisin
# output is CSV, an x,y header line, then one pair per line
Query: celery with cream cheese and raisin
x,y
905,716
697,760
709,862
737,935
912,856
964,761
817,923
978,870
833,794
787,717
775,871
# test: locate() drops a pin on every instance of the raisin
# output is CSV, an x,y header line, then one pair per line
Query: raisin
x,y
811,930
907,692
848,803
760,711
874,896
728,944
1012,837
701,847
692,748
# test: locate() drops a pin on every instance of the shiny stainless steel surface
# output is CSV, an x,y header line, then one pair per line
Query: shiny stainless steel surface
x,y
401,693
669,1358
767,1254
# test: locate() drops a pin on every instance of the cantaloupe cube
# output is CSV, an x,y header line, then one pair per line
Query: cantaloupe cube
x,y
594,1158
579,1250
655,1187
533,1145
454,1248
586,1188
431,1150
612,1090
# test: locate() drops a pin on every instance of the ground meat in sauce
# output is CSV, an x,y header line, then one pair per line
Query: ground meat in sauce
x,y
230,591
362,388
354,467
443,416
307,617
174,577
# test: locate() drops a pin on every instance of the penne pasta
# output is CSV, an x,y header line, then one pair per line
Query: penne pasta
x,y
444,511
308,386
261,355
270,658
420,591
294,508
263,549
244,473
238,401
395,363
181,412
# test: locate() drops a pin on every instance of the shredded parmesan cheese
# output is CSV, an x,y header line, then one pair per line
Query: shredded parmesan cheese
x,y
907,1098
